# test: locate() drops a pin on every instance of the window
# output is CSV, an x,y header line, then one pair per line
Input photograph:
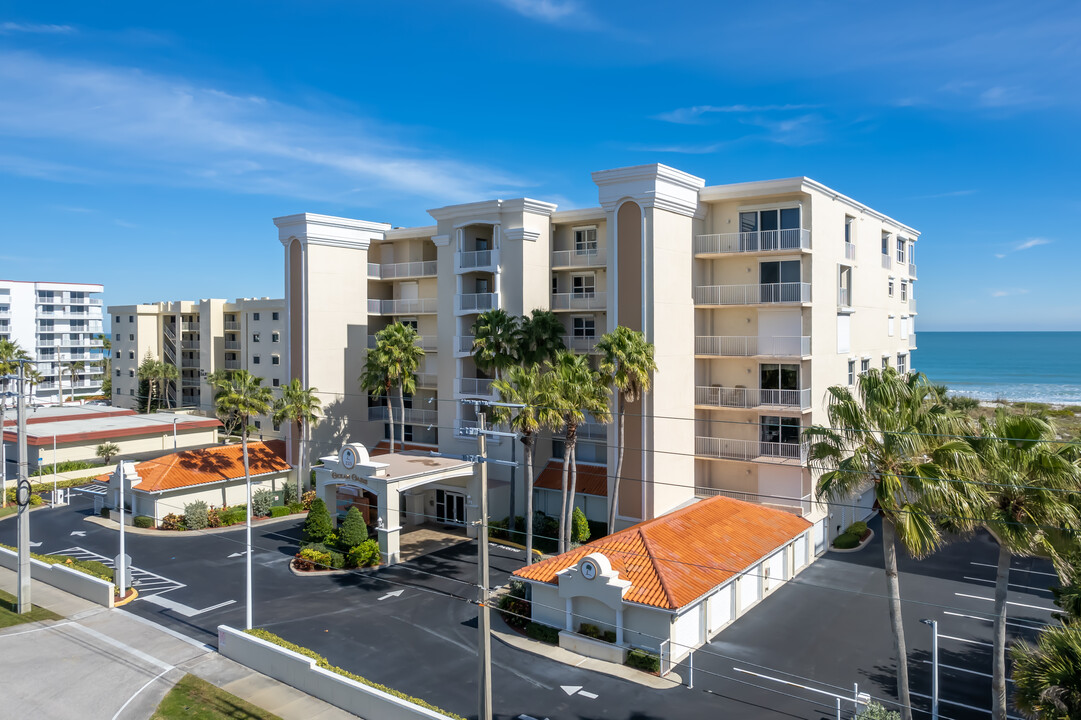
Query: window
x,y
131,338
277,427
583,326
131,373
900,250
865,365
583,285
258,425
131,354
276,382
555,284
118,372
131,318
254,359
274,316
117,319
276,337
117,354
890,287
886,244
117,338
255,317
904,291
885,362
901,361
255,337
118,391
775,229
275,360
889,326
851,372
848,228
131,392
775,377
585,240
773,429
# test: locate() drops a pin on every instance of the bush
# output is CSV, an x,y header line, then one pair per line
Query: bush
x,y
643,660
35,500
859,529
497,530
196,515
295,508
353,531
233,515
366,554
172,522
261,500
846,541
213,518
874,711
307,499
609,636
515,611
310,559
544,633
90,567
67,466
289,493
279,511
143,521
579,526
589,630
337,559
318,526
104,513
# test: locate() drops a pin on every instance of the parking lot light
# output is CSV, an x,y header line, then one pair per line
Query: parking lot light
x,y
934,666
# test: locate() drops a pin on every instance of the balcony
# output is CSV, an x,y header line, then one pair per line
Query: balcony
x,y
232,325
413,416
426,343
232,344
596,257
887,262
463,345
475,302
739,397
912,270
752,242
912,305
750,450
476,260
581,343
189,327
403,306
844,298
427,380
232,364
393,271
850,251
580,301
186,362
798,506
190,345
761,294
188,381
475,387
592,432
912,341
752,346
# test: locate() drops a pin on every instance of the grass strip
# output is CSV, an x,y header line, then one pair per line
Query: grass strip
x,y
9,617
195,699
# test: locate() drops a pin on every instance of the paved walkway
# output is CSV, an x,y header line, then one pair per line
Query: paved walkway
x,y
427,539
112,665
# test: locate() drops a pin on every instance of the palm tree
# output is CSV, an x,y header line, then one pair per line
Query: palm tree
x,y
107,451
888,436
540,337
399,343
300,406
218,381
1028,483
245,396
75,368
167,373
10,354
149,373
531,390
375,379
34,378
627,365
1047,677
495,341
577,389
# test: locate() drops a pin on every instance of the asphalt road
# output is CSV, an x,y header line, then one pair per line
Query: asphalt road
x,y
827,630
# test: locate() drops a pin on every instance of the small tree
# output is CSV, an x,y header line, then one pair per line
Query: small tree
x,y
195,515
353,530
107,451
261,500
318,526
579,526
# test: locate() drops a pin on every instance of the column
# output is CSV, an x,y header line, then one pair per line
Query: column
x,y
619,626
389,530
569,623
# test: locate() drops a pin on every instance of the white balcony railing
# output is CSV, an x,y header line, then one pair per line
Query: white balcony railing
x,y
592,431
749,346
475,386
597,257
581,343
476,302
427,380
757,241
463,345
850,251
887,261
392,271
799,506
232,344
730,449
912,304
189,381
476,259
232,325
189,344
189,326
580,301
912,270
189,362
912,341
413,416
844,297
232,364
737,397
763,293
424,342
402,306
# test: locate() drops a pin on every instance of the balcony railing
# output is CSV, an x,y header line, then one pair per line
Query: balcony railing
x,y
756,241
403,306
475,386
729,449
189,362
749,346
413,416
424,342
476,302
737,397
912,341
580,301
463,345
592,431
844,297
799,506
189,326
427,380
763,293
887,261
189,344
232,344
912,304
232,364
597,257
391,271
189,381
850,251
476,259
912,270
581,343
232,325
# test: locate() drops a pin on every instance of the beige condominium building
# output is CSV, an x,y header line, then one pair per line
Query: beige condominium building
x,y
199,338
758,296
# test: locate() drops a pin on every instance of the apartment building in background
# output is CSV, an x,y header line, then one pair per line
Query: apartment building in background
x,y
198,337
59,325
758,296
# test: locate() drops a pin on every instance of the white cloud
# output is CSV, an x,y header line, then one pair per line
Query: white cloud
x,y
697,114
546,10
8,28
1009,292
93,122
1024,245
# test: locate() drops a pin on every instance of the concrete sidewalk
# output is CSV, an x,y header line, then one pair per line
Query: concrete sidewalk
x,y
110,664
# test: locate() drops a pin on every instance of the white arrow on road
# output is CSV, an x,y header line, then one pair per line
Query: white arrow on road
x,y
34,544
237,555
80,533
571,689
393,593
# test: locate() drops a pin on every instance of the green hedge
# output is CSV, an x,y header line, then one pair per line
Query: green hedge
x,y
846,541
90,567
143,521
279,511
325,664
47,486
857,528
68,466
642,660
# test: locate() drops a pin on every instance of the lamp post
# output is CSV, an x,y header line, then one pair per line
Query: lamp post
x,y
22,496
174,433
934,666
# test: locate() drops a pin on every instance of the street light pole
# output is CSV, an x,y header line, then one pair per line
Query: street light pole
x,y
934,666
174,433
484,639
23,601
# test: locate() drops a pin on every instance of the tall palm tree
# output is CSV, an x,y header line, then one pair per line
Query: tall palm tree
x,y
888,436
577,389
245,396
1047,676
540,337
218,380
149,372
10,354
399,343
167,373
375,379
495,341
300,406
627,364
531,390
34,378
1028,483
75,369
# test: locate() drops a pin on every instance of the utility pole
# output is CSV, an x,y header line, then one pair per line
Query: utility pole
x,y
934,666
484,623
22,495
121,559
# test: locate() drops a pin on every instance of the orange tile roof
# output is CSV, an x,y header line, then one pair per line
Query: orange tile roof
x,y
673,560
592,479
216,464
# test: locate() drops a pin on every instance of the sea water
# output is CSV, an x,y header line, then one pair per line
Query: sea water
x,y
1034,366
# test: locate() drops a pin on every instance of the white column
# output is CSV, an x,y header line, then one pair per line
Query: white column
x,y
619,626
389,533
570,615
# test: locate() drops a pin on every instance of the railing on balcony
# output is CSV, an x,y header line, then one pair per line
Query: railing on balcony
x,y
189,381
738,397
189,344
463,344
912,304
189,362
912,270
476,259
756,241
844,297
797,505
592,431
730,449
581,343
763,293
476,302
189,326
748,346
887,261
232,344
427,380
596,257
850,251
424,342
232,364
413,416
375,307
232,325
580,301
403,306
475,386
391,271
912,341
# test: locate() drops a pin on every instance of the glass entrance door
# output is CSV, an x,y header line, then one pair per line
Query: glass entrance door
x,y
779,384
450,507
779,281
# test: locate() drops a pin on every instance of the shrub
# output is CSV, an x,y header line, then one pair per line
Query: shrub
x,y
318,526
544,633
310,559
90,567
579,526
337,559
213,518
289,493
846,541
196,515
35,500
874,711
261,500
233,515
497,530
279,511
589,630
859,529
143,521
307,499
366,554
609,636
295,508
172,522
515,611
643,660
104,513
67,466
320,547
353,531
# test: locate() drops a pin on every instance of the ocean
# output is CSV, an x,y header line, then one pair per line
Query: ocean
x,y
1034,366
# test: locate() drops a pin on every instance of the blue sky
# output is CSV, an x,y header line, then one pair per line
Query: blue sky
x,y
130,131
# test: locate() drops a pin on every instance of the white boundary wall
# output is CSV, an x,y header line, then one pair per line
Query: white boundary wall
x,y
302,673
77,583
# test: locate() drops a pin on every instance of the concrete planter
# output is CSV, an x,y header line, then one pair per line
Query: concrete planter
x,y
863,544
589,647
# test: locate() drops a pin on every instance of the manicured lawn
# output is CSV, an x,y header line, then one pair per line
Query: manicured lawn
x,y
9,617
195,699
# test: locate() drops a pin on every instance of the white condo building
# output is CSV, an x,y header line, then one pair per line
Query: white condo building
x,y
758,296
59,325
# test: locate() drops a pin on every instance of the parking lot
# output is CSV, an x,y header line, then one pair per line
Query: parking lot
x,y
413,628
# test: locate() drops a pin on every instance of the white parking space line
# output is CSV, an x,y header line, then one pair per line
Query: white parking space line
x,y
964,640
1013,569
144,580
1013,585
1031,625
958,704
180,608
1008,602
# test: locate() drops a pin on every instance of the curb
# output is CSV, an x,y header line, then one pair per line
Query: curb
x,y
862,545
133,595
256,524
508,543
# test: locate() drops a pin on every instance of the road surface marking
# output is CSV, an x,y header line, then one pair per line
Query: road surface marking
x,y
570,689
1038,626
1014,585
37,629
34,544
185,610
237,555
958,704
1013,569
146,581
591,696
964,640
144,687
392,593
93,489
126,648
1009,602
79,533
